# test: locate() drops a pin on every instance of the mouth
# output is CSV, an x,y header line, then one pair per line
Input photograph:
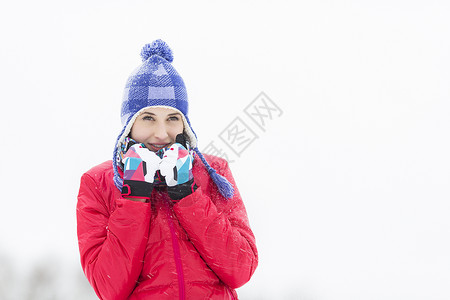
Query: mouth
x,y
157,147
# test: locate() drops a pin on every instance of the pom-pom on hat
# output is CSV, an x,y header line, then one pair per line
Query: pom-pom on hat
x,y
156,83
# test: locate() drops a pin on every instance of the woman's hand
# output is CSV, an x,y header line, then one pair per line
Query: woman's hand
x,y
140,166
176,167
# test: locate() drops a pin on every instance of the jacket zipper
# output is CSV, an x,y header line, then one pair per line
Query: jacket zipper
x,y
229,292
176,252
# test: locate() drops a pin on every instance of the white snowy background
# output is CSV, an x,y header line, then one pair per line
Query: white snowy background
x,y
347,191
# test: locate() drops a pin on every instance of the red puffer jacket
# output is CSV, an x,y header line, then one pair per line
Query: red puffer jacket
x,y
200,248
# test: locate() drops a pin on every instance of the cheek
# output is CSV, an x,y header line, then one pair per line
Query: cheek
x,y
175,130
139,134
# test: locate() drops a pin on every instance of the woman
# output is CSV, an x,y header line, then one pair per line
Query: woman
x,y
162,220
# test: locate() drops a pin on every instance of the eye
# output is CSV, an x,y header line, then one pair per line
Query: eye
x,y
148,118
174,118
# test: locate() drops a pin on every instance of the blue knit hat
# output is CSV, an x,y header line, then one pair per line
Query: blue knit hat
x,y
156,83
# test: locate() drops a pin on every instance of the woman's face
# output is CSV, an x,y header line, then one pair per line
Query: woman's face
x,y
157,127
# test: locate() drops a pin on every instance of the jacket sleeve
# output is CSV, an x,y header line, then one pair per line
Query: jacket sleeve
x,y
112,245
220,231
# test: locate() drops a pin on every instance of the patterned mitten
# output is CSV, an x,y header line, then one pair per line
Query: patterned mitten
x,y
140,165
176,167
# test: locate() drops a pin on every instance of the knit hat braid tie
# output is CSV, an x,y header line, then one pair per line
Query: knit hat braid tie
x,y
224,186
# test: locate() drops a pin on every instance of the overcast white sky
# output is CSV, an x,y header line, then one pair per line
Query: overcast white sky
x,y
347,191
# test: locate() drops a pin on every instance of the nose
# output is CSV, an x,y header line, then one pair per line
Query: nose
x,y
160,132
